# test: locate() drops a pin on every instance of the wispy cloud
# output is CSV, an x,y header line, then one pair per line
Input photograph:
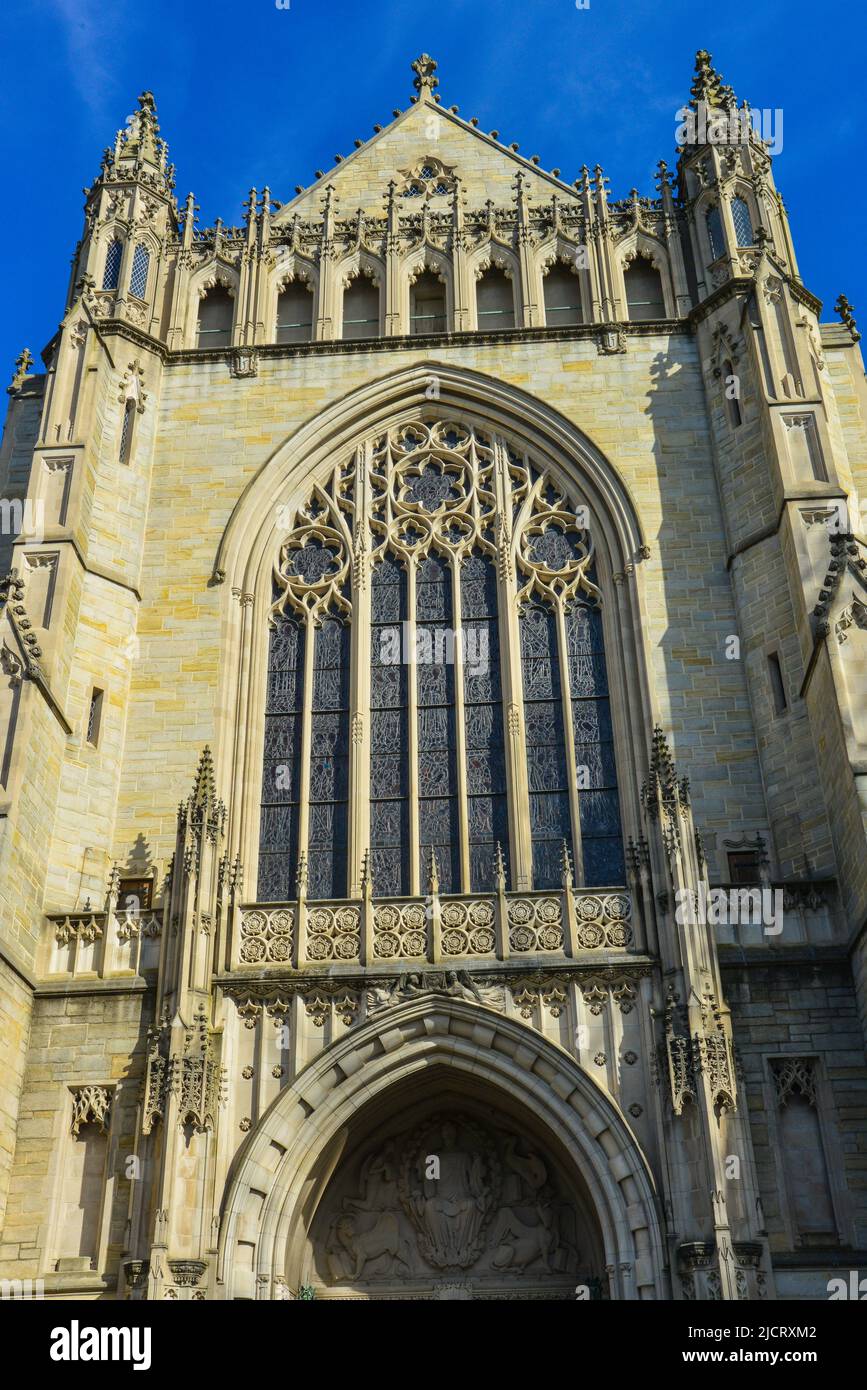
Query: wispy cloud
x,y
84,24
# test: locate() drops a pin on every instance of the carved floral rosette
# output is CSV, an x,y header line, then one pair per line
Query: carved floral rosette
x,y
535,924
400,931
334,933
267,937
468,928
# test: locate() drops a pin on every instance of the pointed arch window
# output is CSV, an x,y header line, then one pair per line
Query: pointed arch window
x,y
295,313
562,297
427,305
436,560
742,221
360,308
113,256
644,297
141,264
216,312
495,302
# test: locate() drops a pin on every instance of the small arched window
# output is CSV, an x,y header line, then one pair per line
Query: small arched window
x,y
360,308
427,304
731,394
111,274
138,280
495,303
295,313
743,222
562,297
644,297
715,236
215,319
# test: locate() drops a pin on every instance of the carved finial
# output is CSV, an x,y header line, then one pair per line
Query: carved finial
x,y
141,142
500,869
566,865
708,86
424,81
847,315
23,363
301,875
365,871
433,878
204,787
663,178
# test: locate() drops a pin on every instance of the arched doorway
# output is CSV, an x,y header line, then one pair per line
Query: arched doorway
x,y
442,1151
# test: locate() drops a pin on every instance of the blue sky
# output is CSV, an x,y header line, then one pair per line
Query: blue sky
x,y
249,94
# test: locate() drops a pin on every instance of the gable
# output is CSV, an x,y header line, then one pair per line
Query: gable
x,y
425,133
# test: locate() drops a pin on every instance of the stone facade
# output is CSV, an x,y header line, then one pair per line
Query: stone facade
x,y
326,1048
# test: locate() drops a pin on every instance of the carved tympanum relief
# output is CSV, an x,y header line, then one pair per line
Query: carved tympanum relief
x,y
453,1197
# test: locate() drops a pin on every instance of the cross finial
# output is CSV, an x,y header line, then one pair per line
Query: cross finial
x,y
424,68
23,363
847,315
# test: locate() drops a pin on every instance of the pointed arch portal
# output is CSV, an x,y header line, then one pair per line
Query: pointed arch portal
x,y
506,1173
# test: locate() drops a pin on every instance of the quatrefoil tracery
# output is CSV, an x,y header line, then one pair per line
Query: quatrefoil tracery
x,y
436,487
433,490
312,571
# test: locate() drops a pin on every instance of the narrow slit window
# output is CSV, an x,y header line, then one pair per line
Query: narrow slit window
x,y
778,684
731,394
716,240
127,430
94,717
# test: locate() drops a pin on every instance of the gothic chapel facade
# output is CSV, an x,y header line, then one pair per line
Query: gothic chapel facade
x,y
479,562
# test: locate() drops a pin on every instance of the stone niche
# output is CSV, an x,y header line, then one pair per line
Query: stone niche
x,y
457,1202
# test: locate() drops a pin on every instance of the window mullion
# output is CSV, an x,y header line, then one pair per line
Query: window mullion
x,y
306,738
569,735
409,655
360,716
460,728
517,783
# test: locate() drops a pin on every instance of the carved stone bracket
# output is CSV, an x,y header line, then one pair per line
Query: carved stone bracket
x,y
91,1105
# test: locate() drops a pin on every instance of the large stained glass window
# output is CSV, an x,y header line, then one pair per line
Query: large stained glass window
x,y
443,589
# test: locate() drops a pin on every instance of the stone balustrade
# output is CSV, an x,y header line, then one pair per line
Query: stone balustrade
x,y
498,926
